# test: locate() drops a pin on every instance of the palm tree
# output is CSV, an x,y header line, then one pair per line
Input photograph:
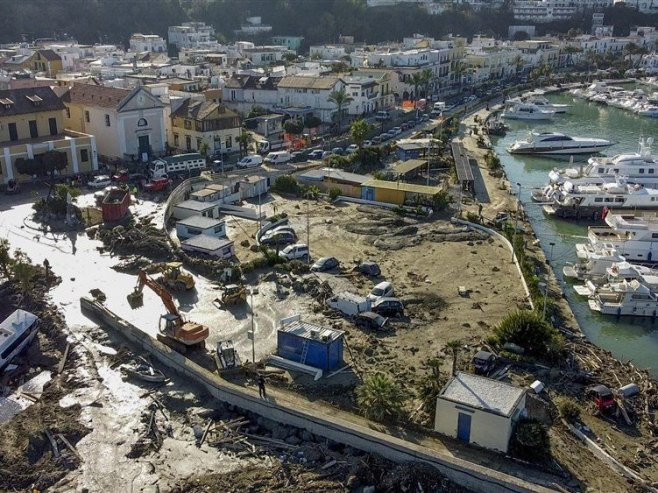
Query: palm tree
x,y
358,131
416,80
340,99
430,385
518,64
5,257
454,346
244,139
426,76
380,398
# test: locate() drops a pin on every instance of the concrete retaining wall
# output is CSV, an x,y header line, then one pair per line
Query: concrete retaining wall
x,y
467,474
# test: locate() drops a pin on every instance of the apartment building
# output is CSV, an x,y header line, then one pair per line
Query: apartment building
x,y
147,42
310,93
242,92
205,126
32,133
190,34
541,11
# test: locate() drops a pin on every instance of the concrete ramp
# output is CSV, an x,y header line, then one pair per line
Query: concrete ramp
x,y
243,212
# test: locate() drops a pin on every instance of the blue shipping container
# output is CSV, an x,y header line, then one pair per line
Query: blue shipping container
x,y
311,345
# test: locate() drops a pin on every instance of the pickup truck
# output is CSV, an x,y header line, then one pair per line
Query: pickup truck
x,y
157,184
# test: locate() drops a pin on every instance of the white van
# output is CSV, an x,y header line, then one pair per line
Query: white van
x,y
278,157
440,106
295,252
250,161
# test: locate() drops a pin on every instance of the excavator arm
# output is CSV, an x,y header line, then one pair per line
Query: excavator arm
x,y
143,279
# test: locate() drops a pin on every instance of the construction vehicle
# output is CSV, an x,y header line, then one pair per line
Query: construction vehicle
x,y
174,330
227,356
174,278
234,294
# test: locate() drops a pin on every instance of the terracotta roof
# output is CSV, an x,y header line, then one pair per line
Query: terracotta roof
x,y
301,82
93,95
50,55
29,100
200,110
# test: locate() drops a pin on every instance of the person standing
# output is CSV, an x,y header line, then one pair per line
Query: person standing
x,y
261,386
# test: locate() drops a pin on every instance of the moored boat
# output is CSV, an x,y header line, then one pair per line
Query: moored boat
x,y
555,143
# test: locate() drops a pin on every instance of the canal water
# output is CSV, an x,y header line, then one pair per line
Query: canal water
x,y
635,338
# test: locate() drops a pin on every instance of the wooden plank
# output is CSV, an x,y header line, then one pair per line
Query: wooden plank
x,y
62,361
70,447
53,443
205,432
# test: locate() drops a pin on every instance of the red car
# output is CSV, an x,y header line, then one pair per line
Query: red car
x,y
157,185
122,176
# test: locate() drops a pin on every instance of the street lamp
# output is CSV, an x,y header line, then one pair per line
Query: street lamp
x,y
252,333
550,256
516,221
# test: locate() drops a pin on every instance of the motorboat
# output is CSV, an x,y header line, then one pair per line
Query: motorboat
x,y
633,237
639,167
593,263
590,201
539,100
619,271
144,371
625,298
16,333
555,143
525,111
650,110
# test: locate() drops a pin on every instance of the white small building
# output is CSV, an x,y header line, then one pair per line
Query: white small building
x,y
140,43
479,410
205,195
199,225
209,245
253,186
188,208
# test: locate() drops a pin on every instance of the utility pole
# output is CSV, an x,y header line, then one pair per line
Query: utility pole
x,y
308,231
252,333
259,213
429,157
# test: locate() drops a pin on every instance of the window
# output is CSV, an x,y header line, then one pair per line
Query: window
x,y
107,120
198,144
68,112
193,231
33,129
226,251
176,140
219,229
13,133
84,155
142,122
187,124
641,171
229,142
651,171
87,116
52,123
188,142
598,199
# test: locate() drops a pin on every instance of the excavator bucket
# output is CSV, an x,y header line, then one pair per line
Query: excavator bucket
x,y
136,299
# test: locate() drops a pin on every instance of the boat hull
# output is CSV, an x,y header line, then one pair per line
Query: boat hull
x,y
592,149
616,309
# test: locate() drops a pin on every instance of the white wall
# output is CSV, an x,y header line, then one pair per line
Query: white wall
x,y
487,429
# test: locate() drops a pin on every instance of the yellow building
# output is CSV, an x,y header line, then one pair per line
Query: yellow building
x,y
393,192
44,61
197,124
31,125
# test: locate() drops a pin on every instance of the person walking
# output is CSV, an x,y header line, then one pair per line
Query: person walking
x,y
261,387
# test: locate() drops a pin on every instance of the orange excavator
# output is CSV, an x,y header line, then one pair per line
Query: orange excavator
x,y
175,331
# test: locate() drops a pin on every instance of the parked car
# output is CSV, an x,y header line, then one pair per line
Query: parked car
x,y
370,320
351,149
298,157
315,154
157,184
122,176
251,161
100,181
383,137
484,362
602,397
295,252
382,290
325,264
367,143
327,154
396,131
278,238
338,151
389,307
405,125
391,134
376,140
368,268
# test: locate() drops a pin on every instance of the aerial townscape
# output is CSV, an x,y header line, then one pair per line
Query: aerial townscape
x,y
328,246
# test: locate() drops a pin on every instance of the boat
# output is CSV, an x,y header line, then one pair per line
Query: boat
x,y
593,264
16,332
619,271
496,127
543,103
625,298
556,143
639,167
633,237
588,201
144,371
524,111
650,110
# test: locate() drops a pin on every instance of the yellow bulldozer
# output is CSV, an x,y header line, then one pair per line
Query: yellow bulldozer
x,y
173,277
234,294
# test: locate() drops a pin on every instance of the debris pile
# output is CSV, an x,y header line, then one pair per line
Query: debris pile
x,y
139,237
319,291
156,426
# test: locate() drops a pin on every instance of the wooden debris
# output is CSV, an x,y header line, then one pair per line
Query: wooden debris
x,y
205,432
53,443
69,446
62,361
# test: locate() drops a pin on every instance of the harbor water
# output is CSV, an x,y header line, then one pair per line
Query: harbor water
x,y
627,338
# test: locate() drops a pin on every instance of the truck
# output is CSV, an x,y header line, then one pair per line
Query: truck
x,y
266,146
182,164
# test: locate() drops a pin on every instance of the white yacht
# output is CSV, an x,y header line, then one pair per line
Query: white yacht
x,y
538,99
516,110
619,271
633,237
625,298
639,167
555,143
593,263
587,201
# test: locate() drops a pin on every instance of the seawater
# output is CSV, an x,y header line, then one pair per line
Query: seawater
x,y
634,338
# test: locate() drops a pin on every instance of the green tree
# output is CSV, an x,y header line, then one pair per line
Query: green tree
x,y
426,77
531,441
359,131
340,99
5,257
430,386
380,398
293,126
530,331
416,80
244,141
256,111
311,121
203,150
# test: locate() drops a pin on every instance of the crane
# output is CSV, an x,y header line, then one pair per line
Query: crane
x,y
174,330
